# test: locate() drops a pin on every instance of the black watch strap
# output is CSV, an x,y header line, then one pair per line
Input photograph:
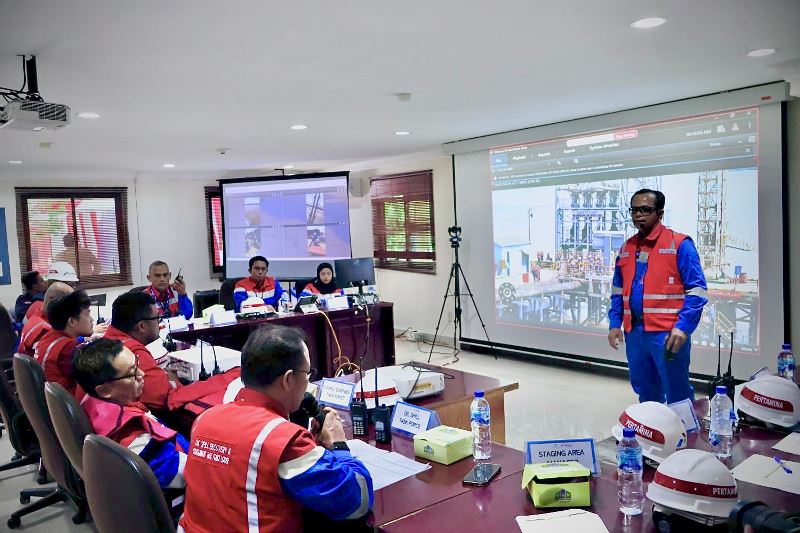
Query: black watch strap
x,y
340,445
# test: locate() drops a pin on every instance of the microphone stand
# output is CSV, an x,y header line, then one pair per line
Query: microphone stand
x,y
203,374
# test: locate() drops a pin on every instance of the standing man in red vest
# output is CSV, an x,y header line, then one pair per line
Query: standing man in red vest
x,y
170,298
657,297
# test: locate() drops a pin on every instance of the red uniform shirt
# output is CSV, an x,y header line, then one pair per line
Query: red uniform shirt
x,y
33,330
157,385
54,353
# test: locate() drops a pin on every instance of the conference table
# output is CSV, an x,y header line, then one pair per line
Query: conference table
x,y
324,332
495,506
452,404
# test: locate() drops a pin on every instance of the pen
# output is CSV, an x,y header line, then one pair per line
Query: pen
x,y
780,463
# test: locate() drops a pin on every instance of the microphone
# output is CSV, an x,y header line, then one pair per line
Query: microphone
x,y
309,408
203,374
169,342
216,370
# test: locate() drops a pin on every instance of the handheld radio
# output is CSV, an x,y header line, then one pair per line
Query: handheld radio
x,y
383,421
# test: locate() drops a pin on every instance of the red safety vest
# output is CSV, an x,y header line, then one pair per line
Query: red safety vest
x,y
232,469
54,354
167,301
202,395
157,385
267,290
34,329
123,424
663,286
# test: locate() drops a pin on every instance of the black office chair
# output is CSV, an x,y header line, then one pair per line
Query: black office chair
x,y
205,299
70,423
226,292
30,387
123,492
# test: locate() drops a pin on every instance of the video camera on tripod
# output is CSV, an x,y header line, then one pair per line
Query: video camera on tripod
x,y
455,236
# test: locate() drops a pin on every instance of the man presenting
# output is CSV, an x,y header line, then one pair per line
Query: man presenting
x,y
657,297
170,298
113,381
251,469
258,284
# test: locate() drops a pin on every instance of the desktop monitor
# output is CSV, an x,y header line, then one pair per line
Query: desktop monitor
x,y
352,272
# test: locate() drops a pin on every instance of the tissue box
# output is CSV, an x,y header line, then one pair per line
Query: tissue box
x,y
561,484
443,444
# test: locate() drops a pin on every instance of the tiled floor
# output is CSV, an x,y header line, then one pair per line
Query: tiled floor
x,y
550,403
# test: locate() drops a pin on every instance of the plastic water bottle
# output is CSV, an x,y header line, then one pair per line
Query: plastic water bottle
x,y
284,303
630,490
480,418
720,434
786,362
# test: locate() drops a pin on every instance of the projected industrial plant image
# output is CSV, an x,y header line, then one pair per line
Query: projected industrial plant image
x,y
555,248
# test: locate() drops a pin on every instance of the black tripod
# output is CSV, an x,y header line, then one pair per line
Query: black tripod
x,y
456,273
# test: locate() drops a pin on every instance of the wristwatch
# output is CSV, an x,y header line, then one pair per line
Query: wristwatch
x,y
340,445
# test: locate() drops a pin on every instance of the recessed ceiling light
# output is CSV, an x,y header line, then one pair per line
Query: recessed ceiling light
x,y
168,165
761,52
89,114
649,22
299,127
402,133
288,167
15,162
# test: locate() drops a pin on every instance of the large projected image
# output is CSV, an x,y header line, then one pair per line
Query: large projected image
x,y
560,216
293,222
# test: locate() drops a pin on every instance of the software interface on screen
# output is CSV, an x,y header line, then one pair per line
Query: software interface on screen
x,y
560,216
295,223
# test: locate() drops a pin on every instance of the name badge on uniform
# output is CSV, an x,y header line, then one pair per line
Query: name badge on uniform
x,y
672,251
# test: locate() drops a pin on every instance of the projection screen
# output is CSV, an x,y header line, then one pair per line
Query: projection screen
x,y
541,259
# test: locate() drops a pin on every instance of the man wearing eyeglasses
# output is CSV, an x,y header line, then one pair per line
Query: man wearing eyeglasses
x,y
657,297
258,284
111,376
250,469
135,322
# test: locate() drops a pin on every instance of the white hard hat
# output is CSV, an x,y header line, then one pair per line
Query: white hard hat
x,y
694,481
253,303
659,430
61,271
771,399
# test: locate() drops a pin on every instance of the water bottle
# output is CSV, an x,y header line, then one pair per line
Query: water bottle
x,y
720,434
786,362
630,490
480,418
284,303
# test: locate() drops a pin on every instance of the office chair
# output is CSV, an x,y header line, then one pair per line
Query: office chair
x,y
30,387
70,423
123,492
226,292
204,299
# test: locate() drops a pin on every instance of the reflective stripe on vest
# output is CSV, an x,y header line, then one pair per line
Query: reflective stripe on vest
x,y
252,474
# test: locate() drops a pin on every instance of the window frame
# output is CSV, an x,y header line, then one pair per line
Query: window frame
x,y
211,192
120,197
406,260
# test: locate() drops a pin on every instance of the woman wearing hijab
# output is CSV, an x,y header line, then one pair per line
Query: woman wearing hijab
x,y
323,283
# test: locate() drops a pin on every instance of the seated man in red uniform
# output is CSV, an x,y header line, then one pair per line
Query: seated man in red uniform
x,y
71,321
170,298
250,469
113,381
134,321
37,325
258,284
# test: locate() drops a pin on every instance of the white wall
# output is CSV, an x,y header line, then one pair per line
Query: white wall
x,y
417,297
166,220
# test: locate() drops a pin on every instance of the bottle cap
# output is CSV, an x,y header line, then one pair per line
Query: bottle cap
x,y
479,394
722,389
628,433
787,346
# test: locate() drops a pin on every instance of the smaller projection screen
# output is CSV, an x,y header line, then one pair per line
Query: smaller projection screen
x,y
296,223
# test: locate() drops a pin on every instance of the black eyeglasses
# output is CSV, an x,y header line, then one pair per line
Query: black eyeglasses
x,y
157,317
645,210
131,374
310,372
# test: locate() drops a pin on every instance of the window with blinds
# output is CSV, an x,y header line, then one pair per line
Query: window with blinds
x,y
85,227
214,225
402,222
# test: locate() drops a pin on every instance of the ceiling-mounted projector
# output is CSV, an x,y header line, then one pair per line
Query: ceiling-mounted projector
x,y
33,115
26,110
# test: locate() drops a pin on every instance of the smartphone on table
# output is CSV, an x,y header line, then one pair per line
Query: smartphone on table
x,y
482,474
